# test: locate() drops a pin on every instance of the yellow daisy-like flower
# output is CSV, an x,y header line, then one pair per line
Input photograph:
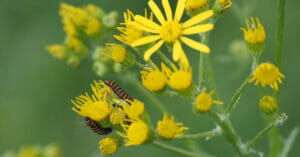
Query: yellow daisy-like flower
x,y
267,74
254,34
135,110
268,104
137,132
117,116
225,3
118,53
171,30
153,79
179,79
94,106
130,33
204,101
57,51
192,5
168,129
108,146
29,151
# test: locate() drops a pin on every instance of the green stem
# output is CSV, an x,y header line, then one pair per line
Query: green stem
x,y
164,58
266,129
230,133
140,65
201,82
174,149
211,133
237,95
289,143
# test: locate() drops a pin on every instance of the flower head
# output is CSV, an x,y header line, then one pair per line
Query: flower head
x,y
153,79
108,146
135,110
225,3
204,101
118,53
254,34
94,106
92,26
268,104
168,129
57,51
192,5
267,74
170,30
179,79
117,116
28,151
137,132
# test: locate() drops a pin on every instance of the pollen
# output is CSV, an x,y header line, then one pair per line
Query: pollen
x,y
267,74
117,52
179,79
204,101
153,79
268,104
254,34
192,5
168,128
108,146
117,116
137,133
170,31
135,110
94,106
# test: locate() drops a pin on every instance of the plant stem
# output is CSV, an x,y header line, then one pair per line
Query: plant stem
x,y
279,35
204,40
140,65
230,133
237,95
174,149
266,129
289,142
164,58
211,133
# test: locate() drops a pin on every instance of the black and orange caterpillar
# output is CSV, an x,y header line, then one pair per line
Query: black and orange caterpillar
x,y
96,127
117,89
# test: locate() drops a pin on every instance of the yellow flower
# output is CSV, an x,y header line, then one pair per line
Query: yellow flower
x,y
204,101
268,104
118,53
57,51
137,132
94,106
29,151
52,150
135,110
179,79
130,33
77,15
192,5
254,34
168,129
267,74
153,79
108,146
92,26
171,30
225,3
117,116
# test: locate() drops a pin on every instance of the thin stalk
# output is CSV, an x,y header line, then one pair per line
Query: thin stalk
x,y
214,132
289,143
201,81
140,65
174,149
237,95
164,58
230,133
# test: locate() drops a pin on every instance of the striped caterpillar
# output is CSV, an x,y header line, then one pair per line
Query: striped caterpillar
x,y
117,89
96,127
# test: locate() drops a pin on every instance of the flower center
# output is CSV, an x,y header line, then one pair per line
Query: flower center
x,y
170,31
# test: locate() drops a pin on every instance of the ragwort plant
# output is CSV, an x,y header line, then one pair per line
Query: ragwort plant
x,y
123,120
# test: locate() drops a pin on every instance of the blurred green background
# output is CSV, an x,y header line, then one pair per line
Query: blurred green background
x,y
35,89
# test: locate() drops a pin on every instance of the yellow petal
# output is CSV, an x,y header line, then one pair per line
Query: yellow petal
x,y
142,27
168,9
156,11
183,59
146,22
195,45
198,29
179,10
176,50
198,18
153,49
145,40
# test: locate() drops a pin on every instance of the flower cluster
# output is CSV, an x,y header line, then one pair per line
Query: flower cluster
x,y
51,150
